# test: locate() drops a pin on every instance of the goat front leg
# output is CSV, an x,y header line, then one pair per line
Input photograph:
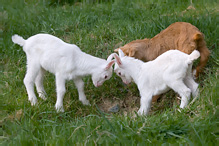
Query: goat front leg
x,y
145,102
80,86
60,89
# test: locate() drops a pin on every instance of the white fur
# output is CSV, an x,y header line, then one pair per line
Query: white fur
x,y
171,70
65,61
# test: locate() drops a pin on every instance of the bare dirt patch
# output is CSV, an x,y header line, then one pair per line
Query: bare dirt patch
x,y
130,104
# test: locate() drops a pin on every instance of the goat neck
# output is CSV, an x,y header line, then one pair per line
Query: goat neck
x,y
89,64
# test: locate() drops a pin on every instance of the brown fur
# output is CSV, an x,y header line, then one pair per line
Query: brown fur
x,y
180,35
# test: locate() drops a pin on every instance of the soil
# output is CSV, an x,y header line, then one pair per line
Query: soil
x,y
130,104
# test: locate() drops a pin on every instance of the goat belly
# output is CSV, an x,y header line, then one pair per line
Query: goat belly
x,y
162,89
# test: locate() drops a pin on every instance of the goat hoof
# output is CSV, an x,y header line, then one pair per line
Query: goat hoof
x,y
142,112
86,102
42,96
33,101
139,113
60,109
182,106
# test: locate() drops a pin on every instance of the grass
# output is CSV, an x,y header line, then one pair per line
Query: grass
x,y
98,27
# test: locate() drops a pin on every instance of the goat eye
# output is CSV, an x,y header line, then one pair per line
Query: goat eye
x,y
105,77
119,73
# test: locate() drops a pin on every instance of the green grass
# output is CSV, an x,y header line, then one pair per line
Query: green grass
x,y
97,27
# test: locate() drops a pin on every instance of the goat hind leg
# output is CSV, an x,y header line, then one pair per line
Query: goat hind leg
x,y
190,82
192,85
183,91
29,79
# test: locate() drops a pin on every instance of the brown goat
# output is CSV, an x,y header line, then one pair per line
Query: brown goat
x,y
179,35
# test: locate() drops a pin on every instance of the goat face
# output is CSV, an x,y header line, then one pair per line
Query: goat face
x,y
119,68
103,74
126,78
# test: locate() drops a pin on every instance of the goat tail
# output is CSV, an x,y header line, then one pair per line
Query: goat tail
x,y
193,56
18,40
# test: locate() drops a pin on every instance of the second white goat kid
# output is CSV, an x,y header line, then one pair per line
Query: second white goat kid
x,y
65,61
171,70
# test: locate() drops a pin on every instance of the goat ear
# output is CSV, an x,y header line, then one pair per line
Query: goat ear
x,y
121,54
132,52
110,57
118,60
110,64
116,50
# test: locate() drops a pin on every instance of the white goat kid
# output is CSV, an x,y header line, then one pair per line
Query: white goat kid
x,y
171,70
66,61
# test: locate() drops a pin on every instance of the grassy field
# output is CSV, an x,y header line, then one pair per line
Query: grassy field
x,y
98,27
